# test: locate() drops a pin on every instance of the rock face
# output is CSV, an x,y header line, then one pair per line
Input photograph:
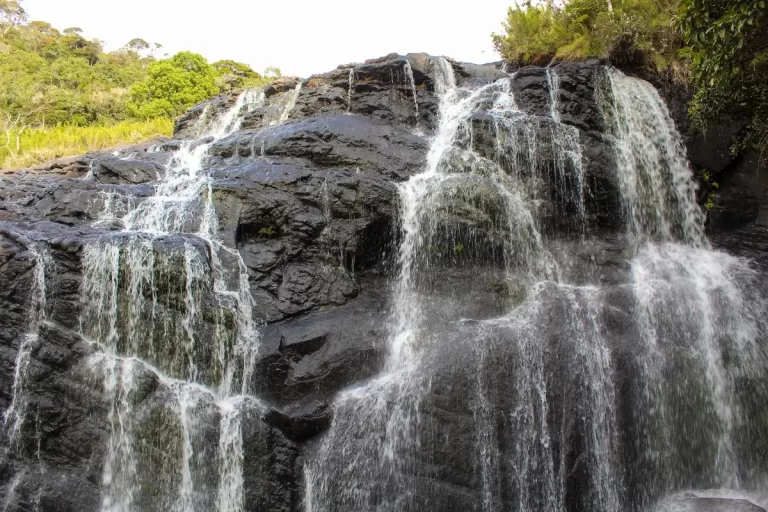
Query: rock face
x,y
690,502
309,220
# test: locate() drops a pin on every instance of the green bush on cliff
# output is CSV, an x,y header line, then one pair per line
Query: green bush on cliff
x,y
720,47
727,43
579,29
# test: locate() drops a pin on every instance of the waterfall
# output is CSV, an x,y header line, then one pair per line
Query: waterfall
x,y
293,96
350,87
690,299
559,333
541,381
412,83
144,301
380,475
15,415
553,85
656,185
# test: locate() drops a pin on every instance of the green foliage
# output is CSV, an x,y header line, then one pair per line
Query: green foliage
x,y
233,75
267,232
718,46
273,72
628,30
728,47
51,80
48,77
709,182
172,86
11,15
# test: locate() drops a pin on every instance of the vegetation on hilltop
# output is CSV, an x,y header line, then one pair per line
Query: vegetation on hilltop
x,y
57,87
579,29
719,47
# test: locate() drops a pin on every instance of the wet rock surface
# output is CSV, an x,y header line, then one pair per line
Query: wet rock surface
x,y
312,206
690,502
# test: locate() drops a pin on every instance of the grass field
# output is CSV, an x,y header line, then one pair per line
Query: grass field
x,y
43,144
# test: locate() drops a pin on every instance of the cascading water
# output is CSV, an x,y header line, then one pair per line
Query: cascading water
x,y
546,407
293,96
147,303
412,83
540,357
379,476
655,179
15,416
350,87
700,313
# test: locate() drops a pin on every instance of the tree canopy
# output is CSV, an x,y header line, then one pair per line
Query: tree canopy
x,y
172,86
50,77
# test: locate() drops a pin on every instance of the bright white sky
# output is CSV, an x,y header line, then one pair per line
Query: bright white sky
x,y
301,37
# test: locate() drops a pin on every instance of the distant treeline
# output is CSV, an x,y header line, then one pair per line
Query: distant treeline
x,y
53,82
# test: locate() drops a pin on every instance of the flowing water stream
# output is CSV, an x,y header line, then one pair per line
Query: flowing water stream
x,y
568,393
698,321
165,300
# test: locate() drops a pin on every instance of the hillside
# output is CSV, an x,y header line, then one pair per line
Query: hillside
x,y
62,93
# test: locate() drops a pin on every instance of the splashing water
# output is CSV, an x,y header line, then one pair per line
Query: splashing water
x,y
656,185
379,474
547,406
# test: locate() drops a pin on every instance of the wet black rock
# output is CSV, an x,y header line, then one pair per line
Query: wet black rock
x,y
303,421
319,354
690,502
312,206
329,141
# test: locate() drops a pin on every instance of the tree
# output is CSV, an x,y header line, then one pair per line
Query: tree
x,y
73,30
236,75
12,14
172,86
728,47
273,72
137,45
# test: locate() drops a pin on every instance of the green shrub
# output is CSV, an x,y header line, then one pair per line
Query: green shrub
x,y
728,47
172,86
580,29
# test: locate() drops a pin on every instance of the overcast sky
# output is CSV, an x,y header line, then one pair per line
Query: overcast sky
x,y
301,37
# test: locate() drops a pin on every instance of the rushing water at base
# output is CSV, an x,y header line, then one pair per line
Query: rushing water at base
x,y
698,322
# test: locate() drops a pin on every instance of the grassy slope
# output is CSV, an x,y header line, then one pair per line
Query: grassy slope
x,y
42,144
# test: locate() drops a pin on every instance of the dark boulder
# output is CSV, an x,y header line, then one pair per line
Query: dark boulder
x,y
301,422
352,142
691,502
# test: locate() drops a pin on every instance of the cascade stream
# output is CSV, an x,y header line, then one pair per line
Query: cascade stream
x,y
547,381
208,383
687,296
